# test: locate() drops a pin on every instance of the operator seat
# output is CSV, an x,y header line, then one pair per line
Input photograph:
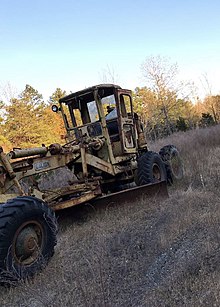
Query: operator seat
x,y
112,125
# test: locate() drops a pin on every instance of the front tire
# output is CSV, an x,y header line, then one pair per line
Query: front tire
x,y
28,230
173,164
150,169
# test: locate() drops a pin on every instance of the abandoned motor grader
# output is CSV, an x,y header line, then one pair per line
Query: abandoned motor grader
x,y
105,150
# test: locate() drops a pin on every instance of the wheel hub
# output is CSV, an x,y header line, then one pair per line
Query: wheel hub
x,y
156,172
27,243
176,166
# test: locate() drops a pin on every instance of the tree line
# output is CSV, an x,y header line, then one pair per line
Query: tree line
x,y
163,117
28,121
165,105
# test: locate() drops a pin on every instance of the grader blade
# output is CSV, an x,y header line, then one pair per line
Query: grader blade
x,y
136,194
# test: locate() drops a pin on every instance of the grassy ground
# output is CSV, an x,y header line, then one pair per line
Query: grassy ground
x,y
152,253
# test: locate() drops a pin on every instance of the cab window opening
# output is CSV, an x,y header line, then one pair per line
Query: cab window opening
x,y
125,105
78,113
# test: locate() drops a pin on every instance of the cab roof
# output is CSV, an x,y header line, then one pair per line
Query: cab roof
x,y
108,90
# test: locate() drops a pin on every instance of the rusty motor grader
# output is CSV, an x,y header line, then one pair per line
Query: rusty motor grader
x,y
105,150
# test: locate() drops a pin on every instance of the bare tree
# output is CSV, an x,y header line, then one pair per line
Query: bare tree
x,y
161,77
7,92
108,75
206,84
211,102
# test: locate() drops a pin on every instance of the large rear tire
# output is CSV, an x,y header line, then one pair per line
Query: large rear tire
x,y
173,164
28,229
150,169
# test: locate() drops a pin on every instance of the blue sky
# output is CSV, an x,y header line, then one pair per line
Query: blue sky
x,y
69,44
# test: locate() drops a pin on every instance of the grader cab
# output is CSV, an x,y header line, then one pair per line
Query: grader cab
x,y
105,151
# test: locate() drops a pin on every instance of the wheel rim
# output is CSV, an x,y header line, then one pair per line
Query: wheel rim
x,y
27,243
156,172
176,166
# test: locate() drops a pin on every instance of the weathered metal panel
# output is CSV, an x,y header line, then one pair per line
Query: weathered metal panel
x,y
88,196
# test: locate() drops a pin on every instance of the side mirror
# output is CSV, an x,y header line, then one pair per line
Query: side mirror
x,y
54,108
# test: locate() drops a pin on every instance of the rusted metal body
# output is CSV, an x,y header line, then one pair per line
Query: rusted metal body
x,y
135,194
100,153
104,156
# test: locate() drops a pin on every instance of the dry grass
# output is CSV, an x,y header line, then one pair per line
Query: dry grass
x,y
200,150
147,254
